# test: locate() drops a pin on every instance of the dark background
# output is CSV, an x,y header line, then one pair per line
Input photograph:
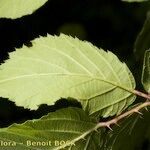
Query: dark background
x,y
110,24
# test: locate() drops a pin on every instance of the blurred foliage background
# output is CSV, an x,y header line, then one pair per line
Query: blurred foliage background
x,y
110,24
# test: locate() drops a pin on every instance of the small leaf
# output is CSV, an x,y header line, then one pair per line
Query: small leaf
x,y
69,127
61,67
134,0
18,8
146,71
142,42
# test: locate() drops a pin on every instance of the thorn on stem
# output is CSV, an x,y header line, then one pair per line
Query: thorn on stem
x,y
108,126
96,130
146,109
138,112
84,138
117,124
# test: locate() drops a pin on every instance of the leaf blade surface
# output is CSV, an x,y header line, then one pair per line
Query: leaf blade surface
x,y
62,67
18,8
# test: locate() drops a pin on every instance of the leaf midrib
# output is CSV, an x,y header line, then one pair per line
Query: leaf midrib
x,y
64,74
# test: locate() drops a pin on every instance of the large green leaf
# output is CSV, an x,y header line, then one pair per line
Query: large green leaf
x,y
142,42
146,71
69,126
61,67
18,8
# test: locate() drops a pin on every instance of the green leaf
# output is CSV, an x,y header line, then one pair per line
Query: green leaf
x,y
61,67
69,127
18,8
142,42
134,0
146,71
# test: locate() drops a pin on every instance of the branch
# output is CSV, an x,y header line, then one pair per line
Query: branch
x,y
147,96
118,118
107,124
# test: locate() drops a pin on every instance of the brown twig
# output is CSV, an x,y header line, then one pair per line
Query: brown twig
x,y
118,118
127,113
141,94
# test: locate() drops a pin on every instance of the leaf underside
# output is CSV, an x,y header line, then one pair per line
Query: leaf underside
x,y
146,71
64,126
61,67
18,8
